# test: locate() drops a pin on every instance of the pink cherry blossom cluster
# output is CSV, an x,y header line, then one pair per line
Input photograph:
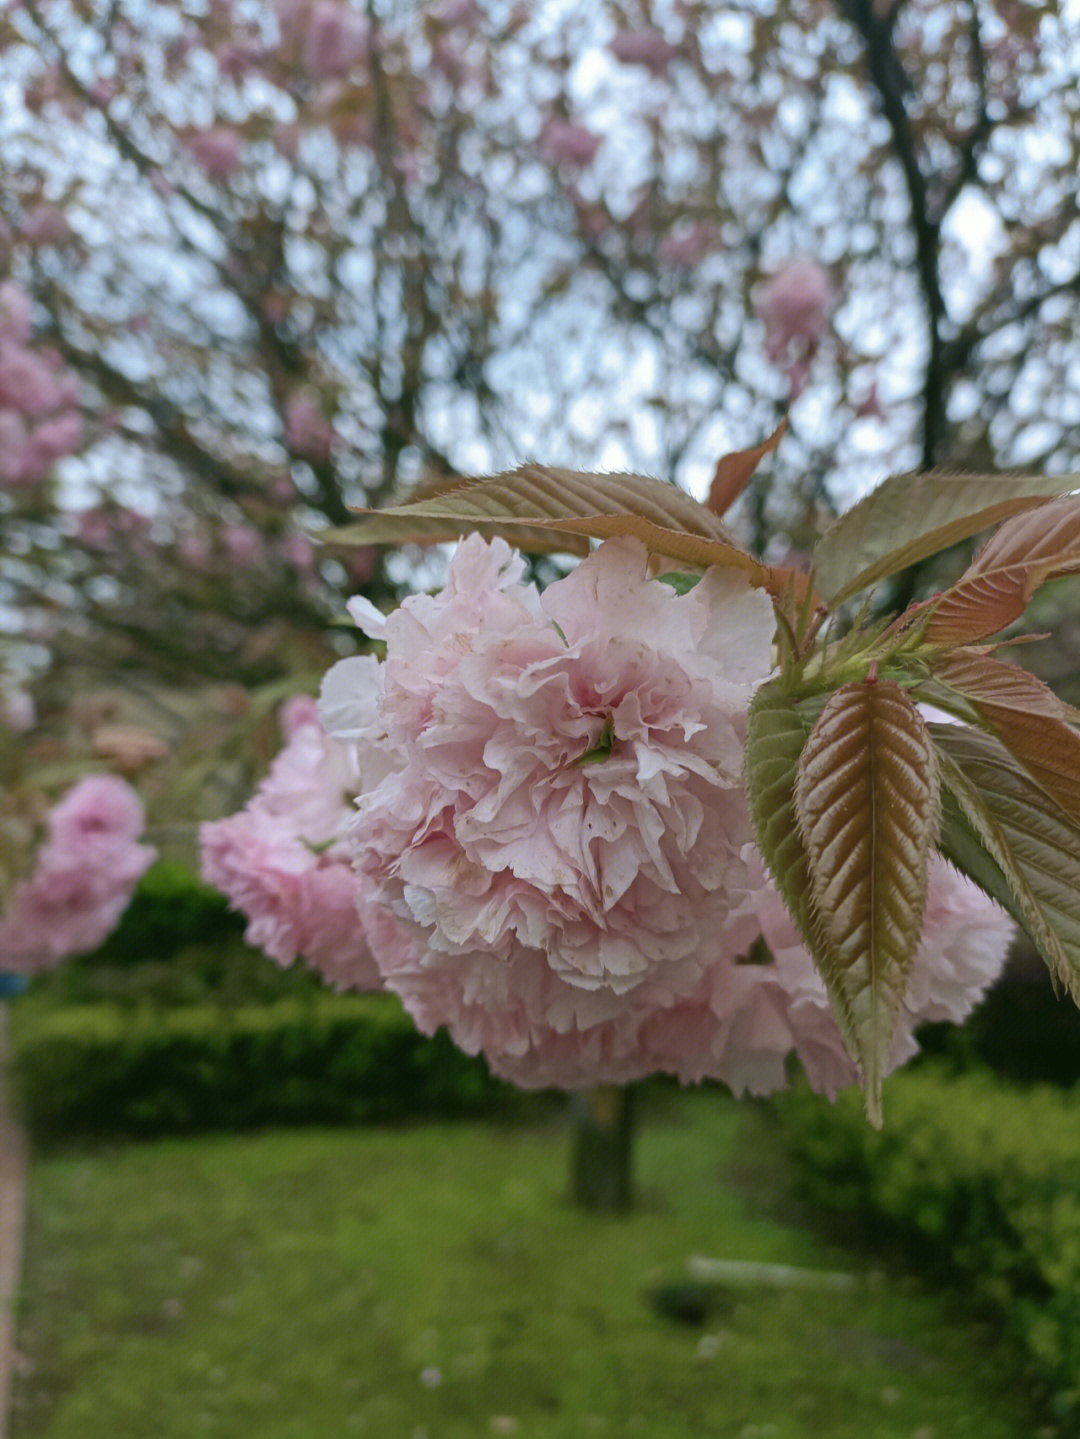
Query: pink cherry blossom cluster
x,y
566,142
104,527
282,861
308,432
552,848
84,875
335,40
648,48
795,305
218,151
40,420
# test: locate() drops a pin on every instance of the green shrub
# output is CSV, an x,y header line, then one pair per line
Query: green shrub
x,y
108,1070
170,909
979,1178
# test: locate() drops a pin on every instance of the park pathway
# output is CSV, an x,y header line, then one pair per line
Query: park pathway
x,y
12,1211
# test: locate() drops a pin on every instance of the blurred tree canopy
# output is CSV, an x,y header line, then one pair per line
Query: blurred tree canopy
x,y
261,264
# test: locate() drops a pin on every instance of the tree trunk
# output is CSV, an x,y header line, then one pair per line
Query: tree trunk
x,y
602,1161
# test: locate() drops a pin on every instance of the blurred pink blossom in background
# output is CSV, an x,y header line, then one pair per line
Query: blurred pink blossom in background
x,y
46,225
564,142
17,711
83,878
307,430
40,419
647,47
244,545
795,305
299,552
688,245
335,39
216,150
101,525
282,861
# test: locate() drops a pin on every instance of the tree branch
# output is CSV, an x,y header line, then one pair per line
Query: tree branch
x,y
891,84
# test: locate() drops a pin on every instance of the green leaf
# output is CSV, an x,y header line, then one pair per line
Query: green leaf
x,y
912,516
998,585
775,735
959,842
1034,850
601,750
681,582
867,805
545,510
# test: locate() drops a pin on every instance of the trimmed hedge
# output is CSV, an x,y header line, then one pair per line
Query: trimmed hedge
x,y
978,1178
97,1070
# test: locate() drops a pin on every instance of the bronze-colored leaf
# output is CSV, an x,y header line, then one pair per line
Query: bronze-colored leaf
x,y
912,516
982,679
1034,848
997,586
534,495
866,801
776,732
775,735
1032,723
1048,748
543,510
688,548
734,472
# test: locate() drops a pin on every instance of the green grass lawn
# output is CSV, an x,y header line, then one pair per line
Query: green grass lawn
x,y
432,1283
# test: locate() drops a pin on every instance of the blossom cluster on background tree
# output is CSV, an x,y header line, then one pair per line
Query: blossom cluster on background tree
x,y
83,876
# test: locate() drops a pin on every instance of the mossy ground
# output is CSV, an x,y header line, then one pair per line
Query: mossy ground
x,y
432,1282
